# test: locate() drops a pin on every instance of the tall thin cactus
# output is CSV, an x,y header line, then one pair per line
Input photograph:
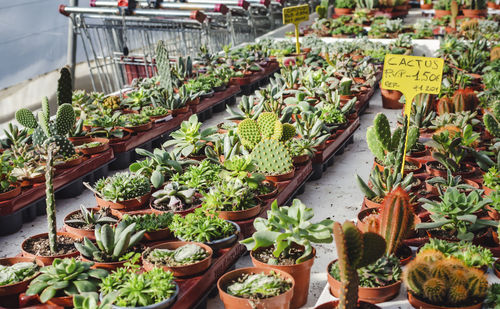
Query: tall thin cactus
x,y
50,198
163,65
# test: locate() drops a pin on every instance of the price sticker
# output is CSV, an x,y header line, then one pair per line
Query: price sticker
x,y
412,75
295,15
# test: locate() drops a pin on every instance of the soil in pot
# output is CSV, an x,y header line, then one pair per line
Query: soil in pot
x,y
301,272
84,230
335,303
280,301
38,246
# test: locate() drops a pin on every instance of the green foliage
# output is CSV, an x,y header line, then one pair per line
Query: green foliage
x,y
184,255
345,4
189,140
90,300
112,242
137,289
200,177
287,225
231,195
92,218
491,179
493,298
133,120
64,87
271,157
152,111
492,119
384,182
201,226
66,277
122,186
471,255
174,196
258,286
149,222
18,272
455,212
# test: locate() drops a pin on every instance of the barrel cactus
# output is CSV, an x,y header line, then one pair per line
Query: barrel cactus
x,y
492,120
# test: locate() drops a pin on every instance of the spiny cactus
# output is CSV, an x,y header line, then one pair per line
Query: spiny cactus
x,y
288,132
462,100
492,120
249,133
50,199
47,131
448,281
396,219
267,125
272,157
355,249
64,87
163,65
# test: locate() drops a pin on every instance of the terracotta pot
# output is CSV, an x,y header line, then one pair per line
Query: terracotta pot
x,y
431,170
141,128
162,234
441,13
371,204
179,111
370,295
495,268
63,301
488,191
426,6
127,205
182,212
70,163
270,195
15,191
491,5
110,266
240,215
126,136
405,254
186,270
18,287
390,99
418,303
47,260
93,150
154,118
282,177
334,303
362,215
301,273
281,301
475,13
300,160
90,234
194,102
340,11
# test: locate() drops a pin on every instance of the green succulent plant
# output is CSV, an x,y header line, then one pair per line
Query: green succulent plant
x,y
18,272
122,186
184,255
231,195
258,286
174,197
91,218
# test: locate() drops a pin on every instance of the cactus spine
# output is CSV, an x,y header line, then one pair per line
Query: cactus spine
x,y
50,199
355,249
396,219
64,87
163,65
492,120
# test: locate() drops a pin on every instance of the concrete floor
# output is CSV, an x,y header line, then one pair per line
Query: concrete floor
x,y
335,196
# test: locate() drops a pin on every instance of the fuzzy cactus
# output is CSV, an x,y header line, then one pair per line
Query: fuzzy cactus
x,y
267,124
434,290
492,120
355,249
457,294
64,87
50,199
272,157
163,65
396,219
462,100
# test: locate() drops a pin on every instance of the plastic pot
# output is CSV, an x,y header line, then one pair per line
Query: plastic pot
x,y
128,205
223,243
185,270
179,111
426,6
93,150
370,295
333,305
161,305
240,215
342,11
419,303
301,273
62,301
370,204
281,301
300,160
362,215
110,266
140,128
47,260
270,195
282,177
90,234
70,163
15,191
18,287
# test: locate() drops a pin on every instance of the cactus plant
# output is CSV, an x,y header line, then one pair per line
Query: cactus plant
x,y
64,87
288,132
447,282
47,131
163,65
492,120
384,182
50,199
272,157
462,100
355,249
112,242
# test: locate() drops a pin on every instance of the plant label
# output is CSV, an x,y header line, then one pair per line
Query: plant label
x,y
295,15
412,75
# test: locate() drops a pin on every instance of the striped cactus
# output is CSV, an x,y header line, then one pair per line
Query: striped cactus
x,y
50,200
396,219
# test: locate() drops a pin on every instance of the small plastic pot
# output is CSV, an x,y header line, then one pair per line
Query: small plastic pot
x,y
240,215
182,110
419,303
47,260
185,270
110,266
162,234
281,301
90,234
128,205
300,160
140,128
15,191
270,195
18,287
371,204
342,11
282,177
70,163
223,243
93,150
370,295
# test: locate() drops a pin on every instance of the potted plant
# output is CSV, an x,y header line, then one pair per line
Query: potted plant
x,y
157,288
123,191
189,141
283,242
475,8
48,246
491,180
156,225
232,200
63,279
454,215
155,113
183,259
9,188
471,255
442,8
90,300
16,273
82,222
136,99
345,89
435,281
438,185
135,122
344,7
175,197
255,287
426,4
205,227
91,145
491,120
302,150
112,245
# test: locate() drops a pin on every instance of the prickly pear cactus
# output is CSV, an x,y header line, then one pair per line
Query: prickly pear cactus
x,y
66,147
288,132
64,87
249,133
383,130
267,123
272,157
65,119
26,118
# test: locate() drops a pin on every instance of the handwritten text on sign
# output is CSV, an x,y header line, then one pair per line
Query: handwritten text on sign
x,y
295,14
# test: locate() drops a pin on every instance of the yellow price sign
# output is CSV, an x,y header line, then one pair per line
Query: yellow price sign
x,y
295,15
412,75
